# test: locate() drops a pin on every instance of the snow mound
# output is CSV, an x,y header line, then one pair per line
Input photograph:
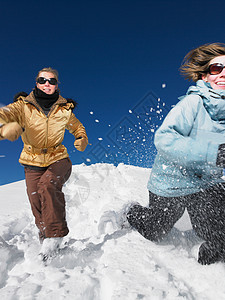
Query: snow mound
x,y
98,260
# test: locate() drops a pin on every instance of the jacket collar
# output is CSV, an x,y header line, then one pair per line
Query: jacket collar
x,y
204,89
31,99
213,100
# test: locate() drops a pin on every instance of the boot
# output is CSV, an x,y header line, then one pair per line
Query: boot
x,y
50,247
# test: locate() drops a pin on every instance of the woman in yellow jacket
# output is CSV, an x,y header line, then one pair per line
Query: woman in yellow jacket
x,y
41,119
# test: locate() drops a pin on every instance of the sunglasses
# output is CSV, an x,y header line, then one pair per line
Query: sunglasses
x,y
215,69
42,80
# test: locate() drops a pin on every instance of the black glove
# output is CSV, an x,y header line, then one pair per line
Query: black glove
x,y
220,161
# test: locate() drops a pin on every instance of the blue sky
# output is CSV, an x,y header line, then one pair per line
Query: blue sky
x,y
112,57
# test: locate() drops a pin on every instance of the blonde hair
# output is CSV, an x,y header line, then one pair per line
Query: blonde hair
x,y
50,70
196,62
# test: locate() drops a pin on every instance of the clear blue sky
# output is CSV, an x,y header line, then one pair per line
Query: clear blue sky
x,y
110,55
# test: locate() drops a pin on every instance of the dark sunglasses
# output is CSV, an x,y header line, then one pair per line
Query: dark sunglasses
x,y
42,80
215,69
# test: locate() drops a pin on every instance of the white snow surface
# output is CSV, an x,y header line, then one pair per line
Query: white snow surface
x,y
98,259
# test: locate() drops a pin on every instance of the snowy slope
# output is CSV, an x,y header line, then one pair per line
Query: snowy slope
x,y
102,261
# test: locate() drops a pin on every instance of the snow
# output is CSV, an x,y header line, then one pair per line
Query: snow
x,y
101,261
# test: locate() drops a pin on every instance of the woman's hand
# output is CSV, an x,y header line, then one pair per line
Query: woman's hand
x,y
10,131
81,143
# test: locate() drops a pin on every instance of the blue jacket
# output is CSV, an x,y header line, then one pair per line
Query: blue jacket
x,y
187,143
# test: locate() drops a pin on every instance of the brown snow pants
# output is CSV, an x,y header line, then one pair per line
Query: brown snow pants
x,y
44,189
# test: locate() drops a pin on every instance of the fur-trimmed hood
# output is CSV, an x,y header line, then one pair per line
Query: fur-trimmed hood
x,y
22,95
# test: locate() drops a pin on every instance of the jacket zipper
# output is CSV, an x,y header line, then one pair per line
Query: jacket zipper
x,y
46,139
47,127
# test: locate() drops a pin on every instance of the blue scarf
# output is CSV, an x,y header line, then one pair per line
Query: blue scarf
x,y
213,100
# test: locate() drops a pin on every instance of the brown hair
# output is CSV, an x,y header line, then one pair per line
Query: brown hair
x,y
50,70
196,62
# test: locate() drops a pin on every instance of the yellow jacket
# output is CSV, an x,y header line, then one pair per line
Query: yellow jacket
x,y
43,135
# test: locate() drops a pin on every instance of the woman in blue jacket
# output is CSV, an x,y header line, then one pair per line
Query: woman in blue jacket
x,y
188,169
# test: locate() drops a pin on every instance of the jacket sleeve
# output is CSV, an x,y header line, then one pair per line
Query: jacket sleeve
x,y
76,127
174,141
11,113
